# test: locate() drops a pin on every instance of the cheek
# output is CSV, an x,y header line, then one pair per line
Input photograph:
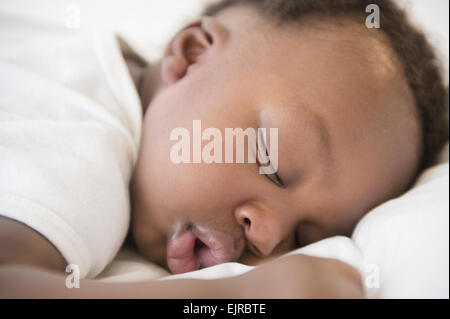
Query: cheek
x,y
308,232
198,188
177,191
187,182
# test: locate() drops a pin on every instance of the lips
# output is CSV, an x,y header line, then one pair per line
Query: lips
x,y
192,248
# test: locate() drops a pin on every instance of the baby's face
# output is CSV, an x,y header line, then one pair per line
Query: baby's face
x,y
347,141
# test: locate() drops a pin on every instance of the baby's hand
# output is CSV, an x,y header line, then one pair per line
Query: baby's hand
x,y
301,276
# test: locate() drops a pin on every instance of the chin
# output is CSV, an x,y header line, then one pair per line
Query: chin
x,y
151,244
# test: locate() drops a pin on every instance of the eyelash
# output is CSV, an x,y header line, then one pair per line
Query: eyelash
x,y
275,178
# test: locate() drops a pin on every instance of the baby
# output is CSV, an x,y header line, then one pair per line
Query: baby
x,y
359,113
355,126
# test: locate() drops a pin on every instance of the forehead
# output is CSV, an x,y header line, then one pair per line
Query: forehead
x,y
315,58
346,37
332,69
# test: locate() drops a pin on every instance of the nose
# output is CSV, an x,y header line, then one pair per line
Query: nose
x,y
263,228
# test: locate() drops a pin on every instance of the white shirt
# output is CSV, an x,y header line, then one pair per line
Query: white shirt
x,y
70,123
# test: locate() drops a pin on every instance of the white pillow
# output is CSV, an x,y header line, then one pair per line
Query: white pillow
x,y
407,239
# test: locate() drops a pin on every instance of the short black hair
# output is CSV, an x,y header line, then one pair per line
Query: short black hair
x,y
422,69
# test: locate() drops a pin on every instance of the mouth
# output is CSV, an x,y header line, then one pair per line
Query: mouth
x,y
194,248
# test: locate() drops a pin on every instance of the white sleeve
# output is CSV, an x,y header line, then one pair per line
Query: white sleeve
x,y
67,144
67,180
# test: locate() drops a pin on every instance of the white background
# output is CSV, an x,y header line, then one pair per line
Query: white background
x,y
149,24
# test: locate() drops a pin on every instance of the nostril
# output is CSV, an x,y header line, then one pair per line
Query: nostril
x,y
198,245
247,221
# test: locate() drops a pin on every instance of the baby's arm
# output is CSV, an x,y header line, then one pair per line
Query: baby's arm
x,y
296,276
30,267
20,244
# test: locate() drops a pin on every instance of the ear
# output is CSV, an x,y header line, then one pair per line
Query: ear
x,y
190,46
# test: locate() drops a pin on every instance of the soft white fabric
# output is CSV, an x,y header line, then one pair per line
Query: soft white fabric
x,y
407,239
129,266
70,122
